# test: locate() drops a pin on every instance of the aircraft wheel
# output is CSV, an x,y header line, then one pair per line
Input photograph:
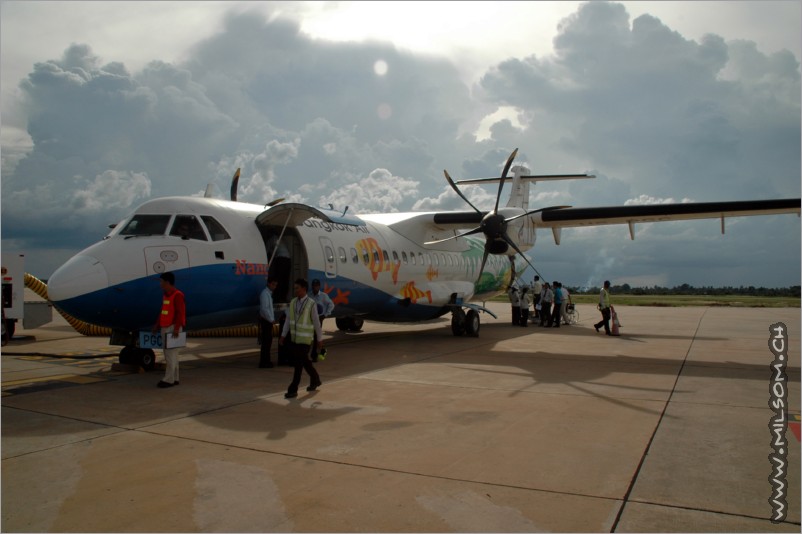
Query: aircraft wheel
x,y
458,322
128,356
147,359
472,323
349,324
11,326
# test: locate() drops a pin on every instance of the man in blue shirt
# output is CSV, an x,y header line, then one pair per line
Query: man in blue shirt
x,y
266,319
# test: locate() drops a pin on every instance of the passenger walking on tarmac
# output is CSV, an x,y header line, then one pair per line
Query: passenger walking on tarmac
x,y
546,298
515,302
172,320
267,319
558,301
537,288
302,325
604,307
325,307
526,301
564,307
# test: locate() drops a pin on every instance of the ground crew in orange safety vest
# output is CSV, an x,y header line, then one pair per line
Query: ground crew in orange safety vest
x,y
172,320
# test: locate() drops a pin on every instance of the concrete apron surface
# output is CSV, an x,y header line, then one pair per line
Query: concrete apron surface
x,y
665,428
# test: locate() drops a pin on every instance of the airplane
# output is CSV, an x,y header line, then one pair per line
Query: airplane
x,y
392,267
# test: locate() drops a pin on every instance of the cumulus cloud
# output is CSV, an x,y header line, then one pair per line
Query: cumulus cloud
x,y
380,192
111,190
653,114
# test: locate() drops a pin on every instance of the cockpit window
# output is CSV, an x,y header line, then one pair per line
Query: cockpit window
x,y
146,225
187,227
216,229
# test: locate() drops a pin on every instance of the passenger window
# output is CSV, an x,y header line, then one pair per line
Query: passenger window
x,y
146,225
412,257
365,257
395,257
216,229
343,257
386,257
404,257
354,256
187,227
329,255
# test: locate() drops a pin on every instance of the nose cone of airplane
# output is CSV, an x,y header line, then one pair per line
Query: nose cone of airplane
x,y
80,276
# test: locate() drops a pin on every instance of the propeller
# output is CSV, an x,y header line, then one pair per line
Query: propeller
x,y
494,224
234,183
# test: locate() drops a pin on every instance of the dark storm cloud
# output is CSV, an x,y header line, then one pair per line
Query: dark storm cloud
x,y
665,113
650,112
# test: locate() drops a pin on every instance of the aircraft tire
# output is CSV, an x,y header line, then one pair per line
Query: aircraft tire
x,y
128,355
458,322
472,323
11,326
349,324
147,359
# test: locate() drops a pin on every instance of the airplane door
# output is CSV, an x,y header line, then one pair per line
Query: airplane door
x,y
329,258
163,259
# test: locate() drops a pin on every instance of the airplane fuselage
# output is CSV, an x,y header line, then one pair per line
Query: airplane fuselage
x,y
369,270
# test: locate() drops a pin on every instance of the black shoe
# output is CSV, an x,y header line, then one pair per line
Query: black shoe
x,y
176,383
596,327
289,395
313,387
268,365
163,384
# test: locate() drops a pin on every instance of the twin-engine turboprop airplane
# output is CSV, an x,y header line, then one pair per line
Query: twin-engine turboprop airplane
x,y
393,267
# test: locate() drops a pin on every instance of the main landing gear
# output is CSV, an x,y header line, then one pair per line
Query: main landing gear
x,y
465,324
349,324
144,358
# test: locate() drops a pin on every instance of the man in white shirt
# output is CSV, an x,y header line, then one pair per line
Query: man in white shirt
x,y
537,288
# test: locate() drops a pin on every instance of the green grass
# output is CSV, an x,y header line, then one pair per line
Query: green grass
x,y
737,301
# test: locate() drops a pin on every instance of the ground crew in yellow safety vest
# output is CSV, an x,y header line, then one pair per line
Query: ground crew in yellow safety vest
x,y
302,325
604,308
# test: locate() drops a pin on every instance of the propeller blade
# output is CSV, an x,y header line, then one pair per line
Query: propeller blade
x,y
274,202
511,243
469,232
234,183
504,176
456,189
482,268
535,211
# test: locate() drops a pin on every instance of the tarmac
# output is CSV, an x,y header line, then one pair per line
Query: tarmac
x,y
665,428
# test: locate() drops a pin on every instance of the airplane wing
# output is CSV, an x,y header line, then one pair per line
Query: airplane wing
x,y
578,217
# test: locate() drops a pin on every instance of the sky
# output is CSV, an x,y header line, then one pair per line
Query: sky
x,y
104,105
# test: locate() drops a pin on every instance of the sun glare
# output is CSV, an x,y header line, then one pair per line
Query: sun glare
x,y
380,67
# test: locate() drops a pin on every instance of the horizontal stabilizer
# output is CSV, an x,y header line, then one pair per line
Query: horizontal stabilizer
x,y
666,212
